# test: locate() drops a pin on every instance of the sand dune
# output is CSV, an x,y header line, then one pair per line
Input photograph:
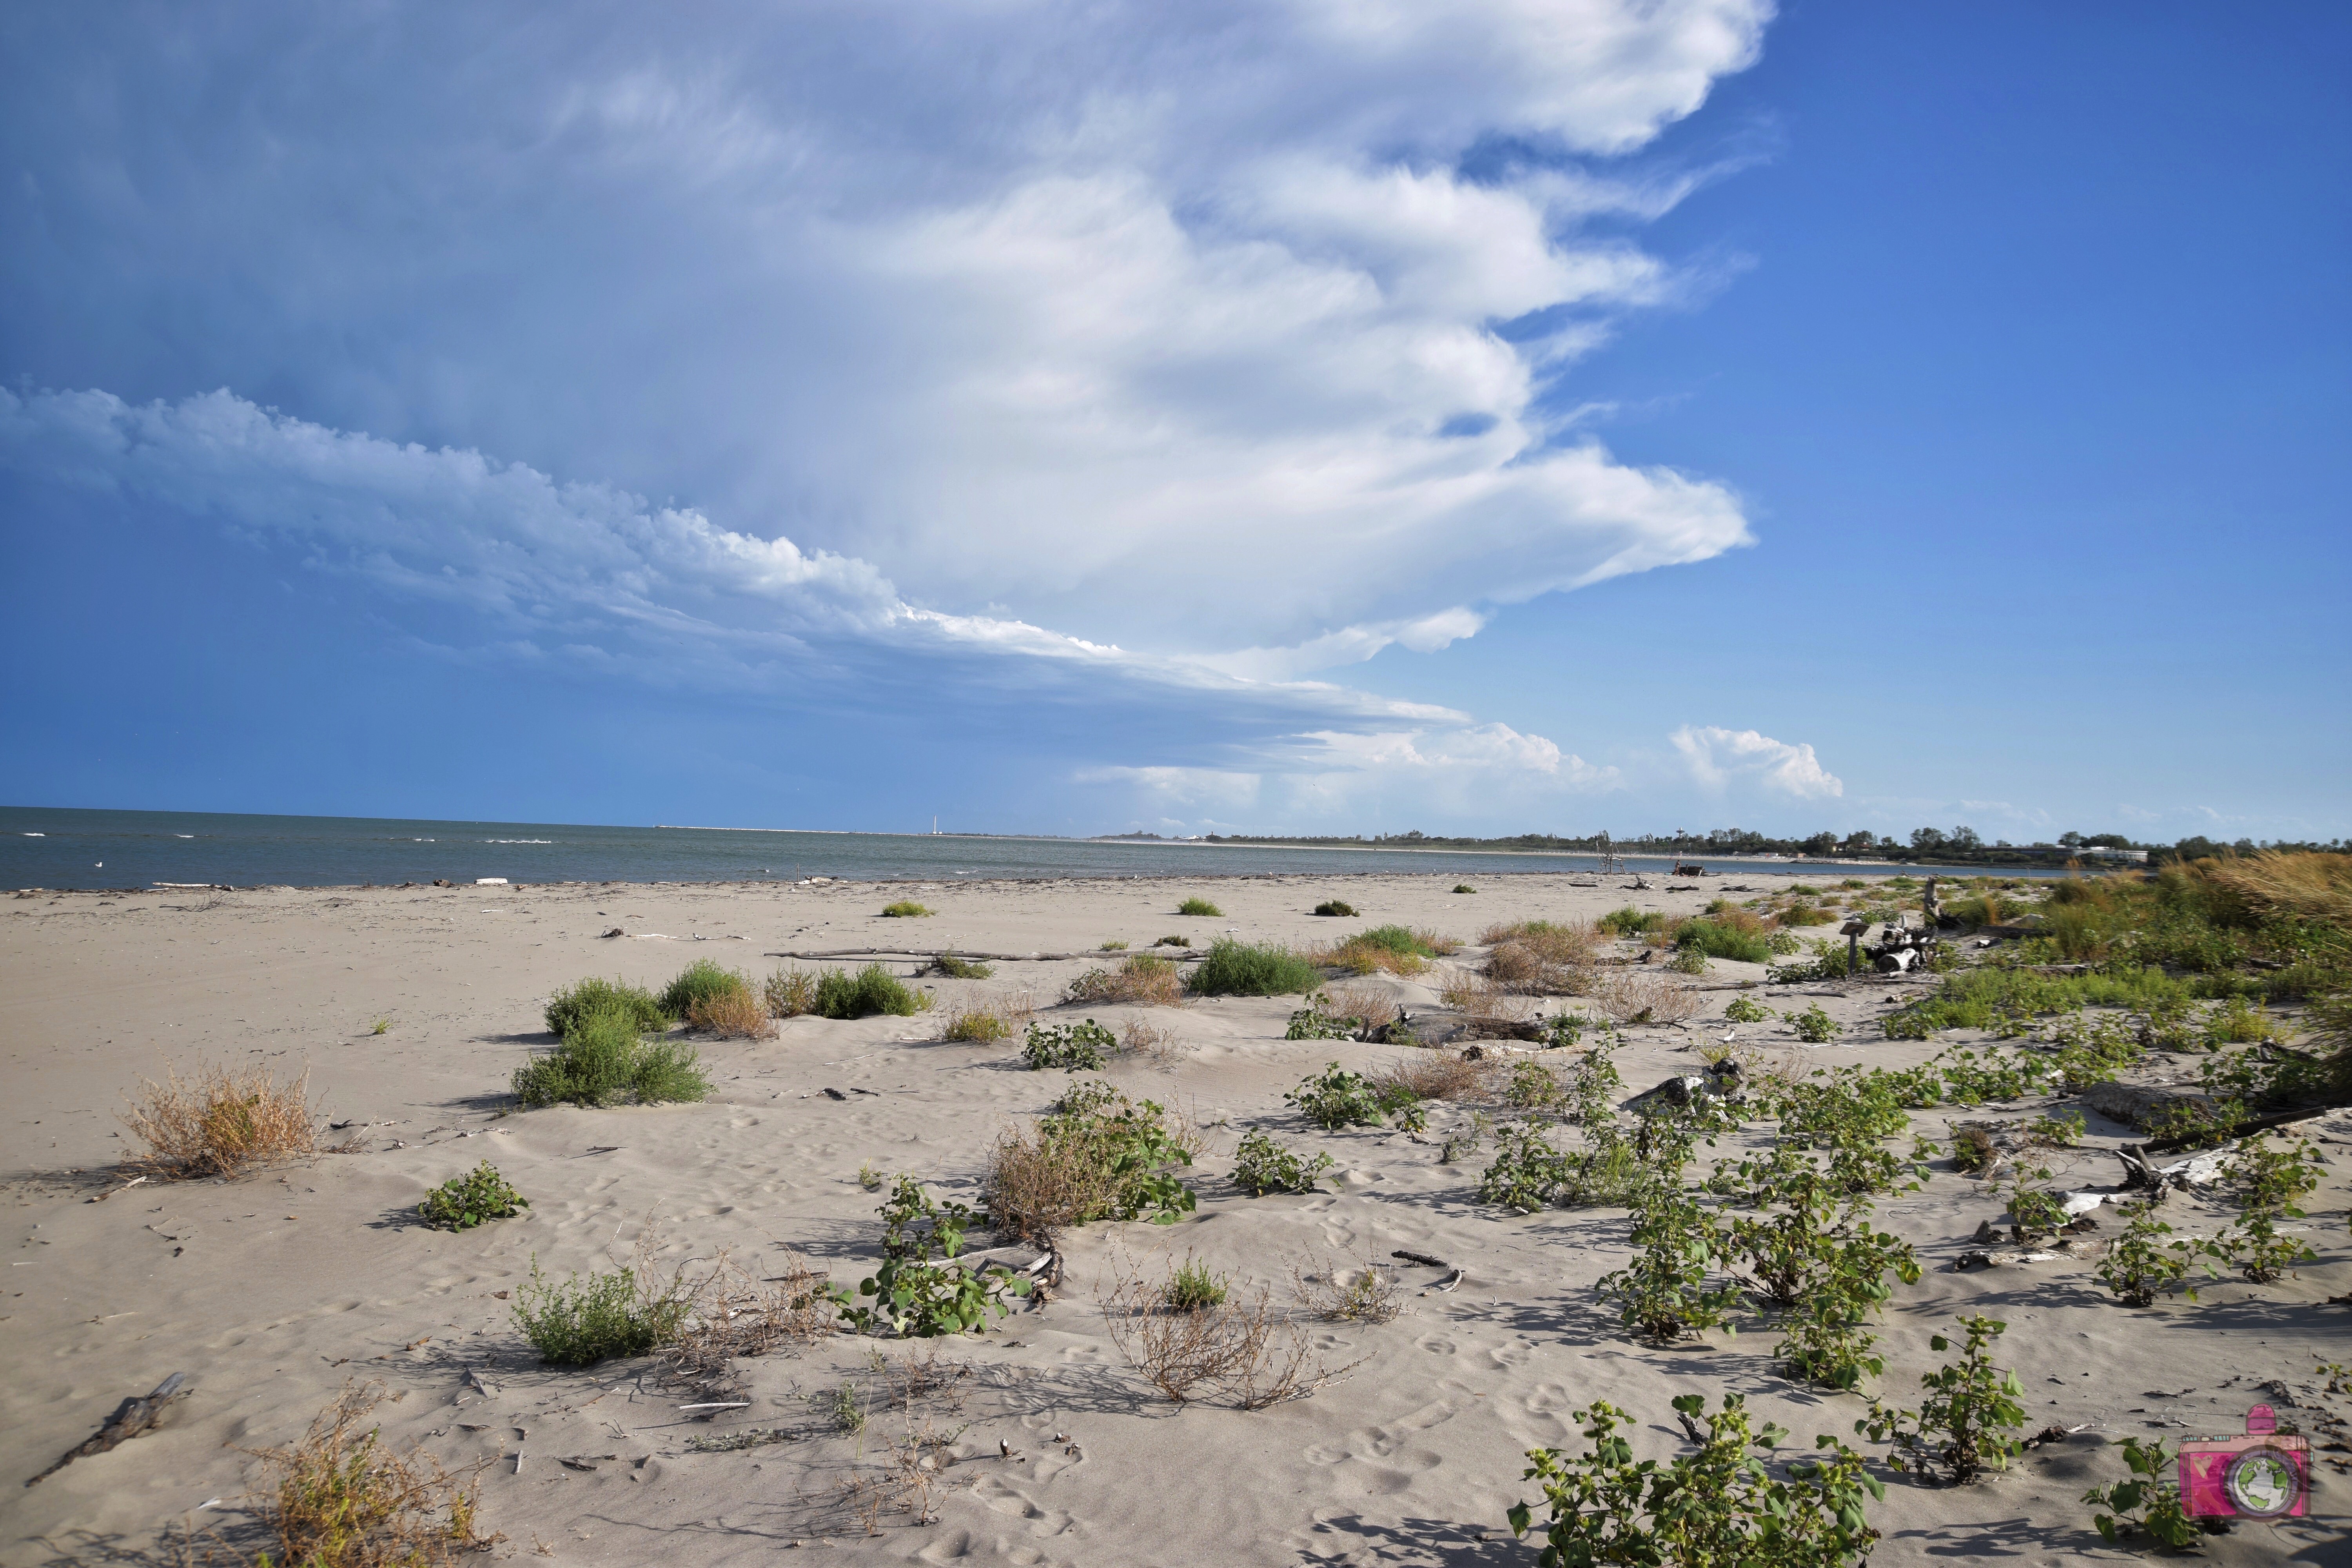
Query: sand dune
x,y
271,1290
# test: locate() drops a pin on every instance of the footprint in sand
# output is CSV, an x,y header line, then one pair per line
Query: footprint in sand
x,y
1004,1500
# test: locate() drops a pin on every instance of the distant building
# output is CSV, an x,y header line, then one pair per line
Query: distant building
x,y
2104,853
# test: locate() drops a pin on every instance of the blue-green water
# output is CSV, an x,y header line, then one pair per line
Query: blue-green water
x,y
71,849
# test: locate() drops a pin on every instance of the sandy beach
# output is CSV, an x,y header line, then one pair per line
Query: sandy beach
x,y
271,1290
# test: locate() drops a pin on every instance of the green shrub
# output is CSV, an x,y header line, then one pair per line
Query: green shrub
x,y
2139,1264
1983,998
1193,1288
1402,941
1099,1155
1113,945
2153,1493
1249,969
1688,960
1747,1010
1725,1504
1335,1098
605,1060
1718,939
906,909
1630,922
700,982
1072,1047
872,990
1822,1335
463,1202
1813,1025
595,1318
1170,941
1201,907
1464,887
1964,1423
915,1297
1335,907
569,1006
1533,1087
955,968
790,993
1262,1166
1317,1021
1664,1292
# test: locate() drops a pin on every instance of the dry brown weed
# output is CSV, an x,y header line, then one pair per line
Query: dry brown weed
x,y
736,1313
731,1014
1440,1075
341,1499
225,1120
1355,1290
1141,981
1635,996
1241,1348
1373,1005
790,993
1481,997
1156,1042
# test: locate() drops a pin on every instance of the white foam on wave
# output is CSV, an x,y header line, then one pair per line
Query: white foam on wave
x,y
514,841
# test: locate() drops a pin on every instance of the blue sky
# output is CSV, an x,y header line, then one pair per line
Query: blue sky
x,y
1308,416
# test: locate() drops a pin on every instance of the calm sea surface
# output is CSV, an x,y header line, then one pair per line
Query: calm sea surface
x,y
66,849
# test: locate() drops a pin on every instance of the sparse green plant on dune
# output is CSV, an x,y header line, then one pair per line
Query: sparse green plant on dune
x,y
1248,969
2140,1263
1724,938
906,909
1630,922
1464,887
1964,1423
1668,1290
1262,1166
1097,1155
568,1006
1199,907
463,1202
955,968
597,1317
1193,1287
2153,1494
1072,1047
1336,1098
1746,1010
701,981
871,990
790,993
919,1291
605,1060
1335,907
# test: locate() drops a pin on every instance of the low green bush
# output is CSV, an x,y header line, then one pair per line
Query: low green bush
x,y
906,909
605,1060
1201,907
1718,939
1964,1423
1170,941
1193,1288
1724,1504
872,990
1401,940
1747,1010
1668,1288
1335,907
1814,1025
575,1002
463,1202
955,968
700,981
919,1291
1464,887
2153,1494
1073,1047
1630,922
1098,1155
597,1317
1335,1098
1235,968
1262,1166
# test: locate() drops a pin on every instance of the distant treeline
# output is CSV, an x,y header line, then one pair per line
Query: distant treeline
x,y
1954,846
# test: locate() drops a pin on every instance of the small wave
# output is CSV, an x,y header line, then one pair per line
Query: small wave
x,y
36,835
516,841
183,836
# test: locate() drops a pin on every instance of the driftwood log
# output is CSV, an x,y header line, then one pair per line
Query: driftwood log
x,y
132,1417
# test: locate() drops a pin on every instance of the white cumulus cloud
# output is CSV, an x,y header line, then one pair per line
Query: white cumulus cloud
x,y
1717,758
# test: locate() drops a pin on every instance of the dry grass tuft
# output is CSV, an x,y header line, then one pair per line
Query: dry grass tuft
x,y
225,1120
1481,997
791,993
1141,981
340,1499
997,1015
1440,1075
1155,1042
734,1312
2302,886
1243,1349
1541,958
1063,1171
1369,1003
1357,1290
1633,997
731,1015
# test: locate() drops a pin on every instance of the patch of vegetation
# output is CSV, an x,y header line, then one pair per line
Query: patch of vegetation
x,y
790,993
1666,1291
2270,1175
1533,1087
1724,1504
1464,887
735,1014
341,1498
1235,968
228,1119
1746,1010
1114,946
1072,1047
977,1026
955,968
1723,938
906,909
1262,1166
872,990
1630,922
1143,980
1336,907
700,982
1098,1155
604,1060
1170,941
1336,1098
463,1202
1814,1025
2139,1262
2153,1494
919,1292
598,1317
1317,1021
1964,1423
1193,1287
568,1006
1200,907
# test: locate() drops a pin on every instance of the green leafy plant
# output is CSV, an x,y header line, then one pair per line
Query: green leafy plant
x,y
2062,1131
2139,1262
1199,906
1973,1150
1191,1287
1335,907
872,990
1114,946
1235,968
1783,943
906,909
789,992
1964,1422
1563,1030
1630,922
919,1292
463,1202
1337,1098
1073,1047
1315,1021
1098,1155
2152,1494
605,1060
1747,1010
955,968
596,1317
1464,887
1664,1292
382,1025
1533,1087
1688,960
1823,1336
1526,1171
1813,1025
1723,938
2033,1208
1170,941
702,980
1262,1166
1724,1505
1464,1142
571,1006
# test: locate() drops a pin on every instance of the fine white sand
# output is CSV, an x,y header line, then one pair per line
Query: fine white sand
x,y
271,1290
